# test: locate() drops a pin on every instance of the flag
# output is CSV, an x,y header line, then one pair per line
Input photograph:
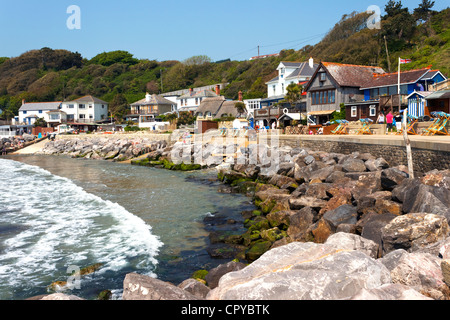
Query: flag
x,y
402,61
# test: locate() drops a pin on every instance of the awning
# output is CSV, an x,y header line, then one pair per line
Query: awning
x,y
321,113
444,94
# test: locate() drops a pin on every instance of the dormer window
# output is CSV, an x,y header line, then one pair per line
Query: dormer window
x,y
322,76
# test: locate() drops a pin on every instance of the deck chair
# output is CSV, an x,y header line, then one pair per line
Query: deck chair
x,y
441,129
435,125
341,128
412,120
365,128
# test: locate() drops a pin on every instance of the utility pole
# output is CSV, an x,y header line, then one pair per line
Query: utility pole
x,y
160,75
258,51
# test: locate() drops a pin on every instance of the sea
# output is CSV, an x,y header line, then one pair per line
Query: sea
x,y
59,215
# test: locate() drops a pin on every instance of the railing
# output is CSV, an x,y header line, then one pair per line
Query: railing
x,y
393,100
141,112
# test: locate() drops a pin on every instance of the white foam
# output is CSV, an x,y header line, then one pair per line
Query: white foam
x,y
65,226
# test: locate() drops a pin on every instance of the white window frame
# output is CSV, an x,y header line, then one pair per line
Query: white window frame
x,y
372,111
354,111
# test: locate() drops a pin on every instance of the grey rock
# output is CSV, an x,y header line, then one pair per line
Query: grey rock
x,y
303,271
354,242
214,275
414,231
396,292
195,287
140,287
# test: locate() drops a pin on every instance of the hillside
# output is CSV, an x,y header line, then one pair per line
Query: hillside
x,y
47,75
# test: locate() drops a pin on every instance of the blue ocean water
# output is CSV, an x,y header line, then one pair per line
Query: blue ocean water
x,y
58,212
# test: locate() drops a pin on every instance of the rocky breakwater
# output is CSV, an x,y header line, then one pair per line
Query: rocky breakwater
x,y
103,148
330,226
11,144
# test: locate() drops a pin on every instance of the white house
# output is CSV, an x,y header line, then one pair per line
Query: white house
x,y
30,111
191,100
290,72
87,109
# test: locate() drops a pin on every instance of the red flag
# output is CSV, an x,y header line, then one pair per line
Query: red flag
x,y
402,61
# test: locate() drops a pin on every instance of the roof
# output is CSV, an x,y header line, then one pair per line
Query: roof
x,y
89,99
443,94
406,77
349,75
36,106
211,105
199,94
420,93
154,100
304,70
228,108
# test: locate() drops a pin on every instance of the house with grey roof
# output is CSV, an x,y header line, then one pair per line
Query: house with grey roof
x,y
289,72
146,110
85,110
333,84
191,100
29,112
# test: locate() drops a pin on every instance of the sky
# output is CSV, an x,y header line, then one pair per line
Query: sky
x,y
174,29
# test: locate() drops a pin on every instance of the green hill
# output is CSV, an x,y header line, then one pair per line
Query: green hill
x,y
420,34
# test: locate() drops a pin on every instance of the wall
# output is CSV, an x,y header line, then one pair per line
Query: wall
x,y
428,153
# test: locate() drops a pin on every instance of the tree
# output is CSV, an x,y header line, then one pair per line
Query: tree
x,y
109,58
197,60
40,122
394,8
240,108
293,93
423,11
118,106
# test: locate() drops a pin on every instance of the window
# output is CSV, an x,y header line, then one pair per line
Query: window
x,y
82,106
24,112
82,116
40,111
323,76
90,106
70,106
91,116
54,116
274,87
373,111
374,94
196,100
323,97
282,88
103,106
354,112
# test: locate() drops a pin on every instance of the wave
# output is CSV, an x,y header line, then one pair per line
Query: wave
x,y
62,225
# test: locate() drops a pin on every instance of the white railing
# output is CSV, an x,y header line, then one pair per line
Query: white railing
x,y
7,133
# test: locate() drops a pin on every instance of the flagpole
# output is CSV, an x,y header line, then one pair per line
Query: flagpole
x,y
399,63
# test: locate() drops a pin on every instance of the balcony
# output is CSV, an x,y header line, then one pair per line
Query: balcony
x,y
394,100
142,112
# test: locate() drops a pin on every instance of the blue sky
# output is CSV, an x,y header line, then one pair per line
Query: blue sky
x,y
175,29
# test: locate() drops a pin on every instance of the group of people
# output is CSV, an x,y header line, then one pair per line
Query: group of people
x,y
391,121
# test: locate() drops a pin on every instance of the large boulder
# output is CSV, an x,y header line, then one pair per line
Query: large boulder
x,y
395,292
303,271
353,165
195,287
343,214
414,231
140,287
392,177
214,275
420,271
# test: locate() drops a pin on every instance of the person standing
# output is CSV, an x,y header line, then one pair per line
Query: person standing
x,y
389,121
380,119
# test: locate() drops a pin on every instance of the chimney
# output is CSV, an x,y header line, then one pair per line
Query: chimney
x,y
190,91
240,96
147,97
23,101
218,90
311,63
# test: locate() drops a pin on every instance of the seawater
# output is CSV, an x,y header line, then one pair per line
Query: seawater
x,y
57,212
